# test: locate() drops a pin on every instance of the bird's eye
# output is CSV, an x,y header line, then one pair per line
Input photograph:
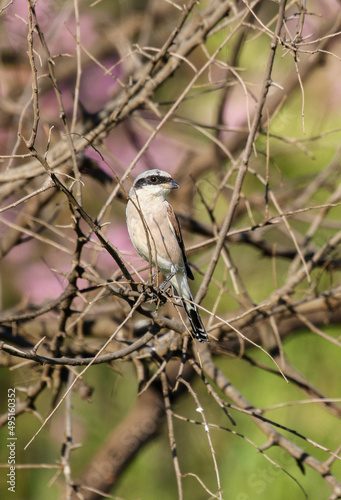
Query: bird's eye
x,y
153,179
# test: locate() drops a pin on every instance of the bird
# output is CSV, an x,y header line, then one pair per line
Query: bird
x,y
155,233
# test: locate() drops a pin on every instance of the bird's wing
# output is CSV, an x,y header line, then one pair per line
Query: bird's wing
x,y
175,227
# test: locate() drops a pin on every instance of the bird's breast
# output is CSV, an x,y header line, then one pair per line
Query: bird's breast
x,y
151,234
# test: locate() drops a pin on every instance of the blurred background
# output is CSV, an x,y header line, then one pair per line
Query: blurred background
x,y
288,214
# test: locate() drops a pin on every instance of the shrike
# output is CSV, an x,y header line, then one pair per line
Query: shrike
x,y
155,232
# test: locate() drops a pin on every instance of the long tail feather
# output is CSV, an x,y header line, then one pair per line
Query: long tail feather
x,y
195,320
181,287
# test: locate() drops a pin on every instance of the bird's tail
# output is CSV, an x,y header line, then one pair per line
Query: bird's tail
x,y
181,287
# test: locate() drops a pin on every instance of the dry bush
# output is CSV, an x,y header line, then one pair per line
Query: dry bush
x,y
239,101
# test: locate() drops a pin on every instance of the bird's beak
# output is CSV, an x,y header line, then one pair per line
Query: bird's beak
x,y
172,185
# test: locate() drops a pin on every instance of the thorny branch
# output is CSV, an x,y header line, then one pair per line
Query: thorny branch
x,y
65,177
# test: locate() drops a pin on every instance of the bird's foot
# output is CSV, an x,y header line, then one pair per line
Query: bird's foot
x,y
174,270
